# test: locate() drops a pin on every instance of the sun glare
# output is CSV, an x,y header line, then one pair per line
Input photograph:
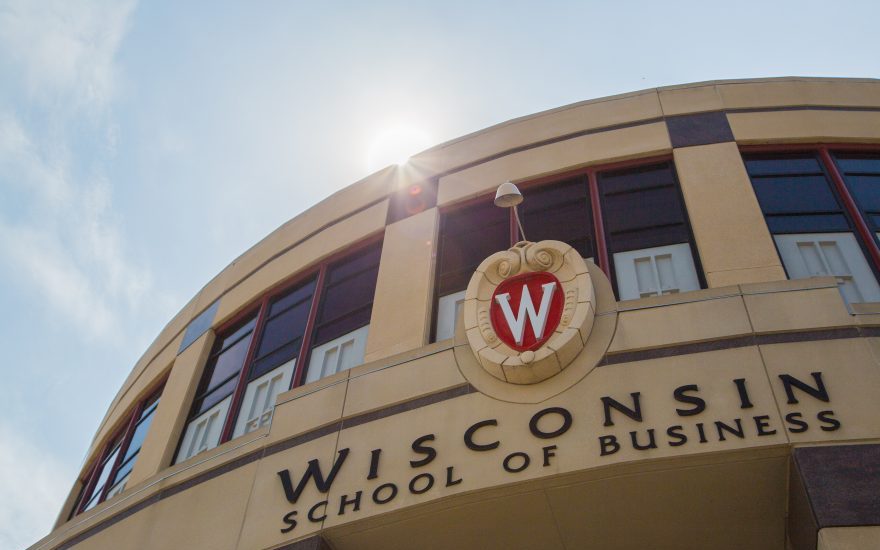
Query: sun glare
x,y
395,145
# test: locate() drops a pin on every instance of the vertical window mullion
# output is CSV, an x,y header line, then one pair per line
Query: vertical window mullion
x,y
598,224
240,386
304,351
123,448
90,481
849,205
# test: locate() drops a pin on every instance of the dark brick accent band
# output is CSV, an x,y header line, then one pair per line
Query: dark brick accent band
x,y
311,543
699,129
741,342
842,483
804,108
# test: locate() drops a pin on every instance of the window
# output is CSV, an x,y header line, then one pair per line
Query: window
x,y
321,321
814,230
110,474
634,214
560,211
459,254
647,233
861,174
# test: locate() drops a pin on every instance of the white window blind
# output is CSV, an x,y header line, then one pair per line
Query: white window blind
x,y
203,432
448,308
338,354
655,271
258,403
830,255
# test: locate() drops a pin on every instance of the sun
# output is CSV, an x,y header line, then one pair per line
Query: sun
x,y
395,144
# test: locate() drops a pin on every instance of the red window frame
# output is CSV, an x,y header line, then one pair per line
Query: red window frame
x,y
824,150
125,432
319,272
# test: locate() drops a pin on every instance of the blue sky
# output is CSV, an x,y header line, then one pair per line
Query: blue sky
x,y
143,146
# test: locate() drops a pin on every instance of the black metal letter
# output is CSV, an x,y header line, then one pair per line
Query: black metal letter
x,y
312,510
699,404
374,463
289,519
828,418
469,436
566,422
548,453
799,426
635,413
762,423
426,488
819,392
608,442
744,401
344,501
313,471
389,498
429,452
525,462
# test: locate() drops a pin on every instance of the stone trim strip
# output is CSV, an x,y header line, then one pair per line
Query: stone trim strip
x,y
465,389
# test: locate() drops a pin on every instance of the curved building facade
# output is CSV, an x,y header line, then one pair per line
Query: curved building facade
x,y
683,353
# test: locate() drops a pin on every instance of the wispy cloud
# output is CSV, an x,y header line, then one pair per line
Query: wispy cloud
x,y
68,247
63,47
35,482
61,242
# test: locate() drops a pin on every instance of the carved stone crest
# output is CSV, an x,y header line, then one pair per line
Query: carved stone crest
x,y
548,317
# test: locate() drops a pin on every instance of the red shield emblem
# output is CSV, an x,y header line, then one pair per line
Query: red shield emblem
x,y
526,309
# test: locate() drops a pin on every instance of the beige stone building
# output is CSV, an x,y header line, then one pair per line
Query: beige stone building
x,y
687,357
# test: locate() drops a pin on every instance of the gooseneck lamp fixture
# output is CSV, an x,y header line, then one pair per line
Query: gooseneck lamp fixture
x,y
508,196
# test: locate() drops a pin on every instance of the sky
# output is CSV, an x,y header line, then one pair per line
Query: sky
x,y
145,145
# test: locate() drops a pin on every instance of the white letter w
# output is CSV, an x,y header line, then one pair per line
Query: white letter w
x,y
526,307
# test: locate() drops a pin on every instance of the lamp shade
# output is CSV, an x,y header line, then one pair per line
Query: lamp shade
x,y
507,195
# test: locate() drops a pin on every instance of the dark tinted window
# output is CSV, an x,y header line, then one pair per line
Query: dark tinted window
x,y
795,195
347,297
228,363
560,211
230,339
105,468
224,365
208,400
861,173
136,441
641,208
283,331
467,237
